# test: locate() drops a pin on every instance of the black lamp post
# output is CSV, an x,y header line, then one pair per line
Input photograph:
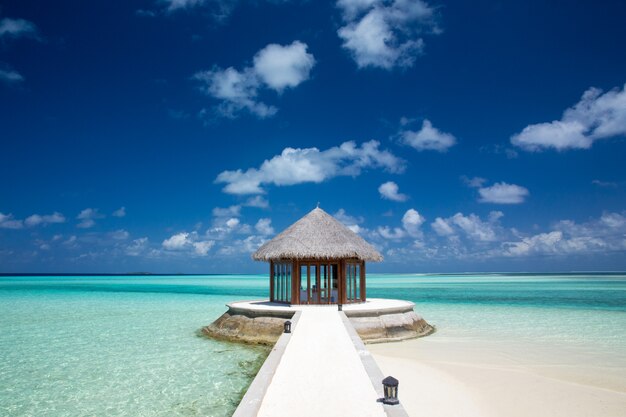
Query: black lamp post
x,y
390,391
287,326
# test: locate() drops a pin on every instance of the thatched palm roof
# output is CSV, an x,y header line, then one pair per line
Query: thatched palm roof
x,y
317,235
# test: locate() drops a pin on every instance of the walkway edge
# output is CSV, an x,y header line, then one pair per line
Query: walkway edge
x,y
251,401
371,368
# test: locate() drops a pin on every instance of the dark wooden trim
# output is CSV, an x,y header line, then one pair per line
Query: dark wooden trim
x,y
295,279
346,285
308,283
317,283
271,281
342,281
363,286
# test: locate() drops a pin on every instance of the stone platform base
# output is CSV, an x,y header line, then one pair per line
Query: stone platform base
x,y
261,322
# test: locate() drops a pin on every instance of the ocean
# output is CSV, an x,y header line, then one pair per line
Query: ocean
x,y
130,345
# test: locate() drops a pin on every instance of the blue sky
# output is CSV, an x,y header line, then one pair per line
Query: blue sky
x,y
179,135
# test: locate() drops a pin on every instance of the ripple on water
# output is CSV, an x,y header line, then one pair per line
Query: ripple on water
x,y
128,346
117,354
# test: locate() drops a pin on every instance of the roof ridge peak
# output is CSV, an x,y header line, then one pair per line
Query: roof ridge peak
x,y
317,235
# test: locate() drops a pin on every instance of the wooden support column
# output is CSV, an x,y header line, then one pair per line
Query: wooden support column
x,y
342,282
363,281
308,283
317,283
295,283
271,280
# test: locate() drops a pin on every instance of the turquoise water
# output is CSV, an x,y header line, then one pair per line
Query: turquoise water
x,y
128,345
582,311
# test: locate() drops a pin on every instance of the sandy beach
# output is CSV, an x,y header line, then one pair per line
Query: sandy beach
x,y
444,375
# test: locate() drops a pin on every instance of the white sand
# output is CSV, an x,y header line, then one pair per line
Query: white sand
x,y
460,376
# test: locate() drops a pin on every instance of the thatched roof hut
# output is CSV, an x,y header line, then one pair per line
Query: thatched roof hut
x,y
318,235
317,260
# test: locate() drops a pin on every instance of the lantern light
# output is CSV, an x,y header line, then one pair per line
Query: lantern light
x,y
287,326
390,391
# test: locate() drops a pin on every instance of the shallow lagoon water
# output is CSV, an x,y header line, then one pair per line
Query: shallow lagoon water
x,y
128,345
113,346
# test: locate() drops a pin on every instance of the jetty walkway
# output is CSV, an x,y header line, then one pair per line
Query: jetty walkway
x,y
321,369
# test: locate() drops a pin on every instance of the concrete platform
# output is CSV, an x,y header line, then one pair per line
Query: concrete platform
x,y
376,320
320,369
370,307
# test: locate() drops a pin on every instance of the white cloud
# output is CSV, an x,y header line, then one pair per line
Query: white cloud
x,y
570,238
475,228
557,134
188,242
226,222
264,226
371,42
383,33
296,166
468,237
10,77
350,222
394,234
87,218
389,191
36,219
232,223
412,222
471,226
475,182
120,234
173,5
232,211
219,10
7,222
120,212
257,201
442,227
614,221
503,193
428,138
137,247
553,243
347,219
280,67
242,246
275,67
202,248
17,28
543,242
236,90
596,116
352,8
177,242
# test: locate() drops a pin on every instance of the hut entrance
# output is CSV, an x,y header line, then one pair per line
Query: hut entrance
x,y
319,283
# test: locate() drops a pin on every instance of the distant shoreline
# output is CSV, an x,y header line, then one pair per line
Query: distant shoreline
x,y
45,274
